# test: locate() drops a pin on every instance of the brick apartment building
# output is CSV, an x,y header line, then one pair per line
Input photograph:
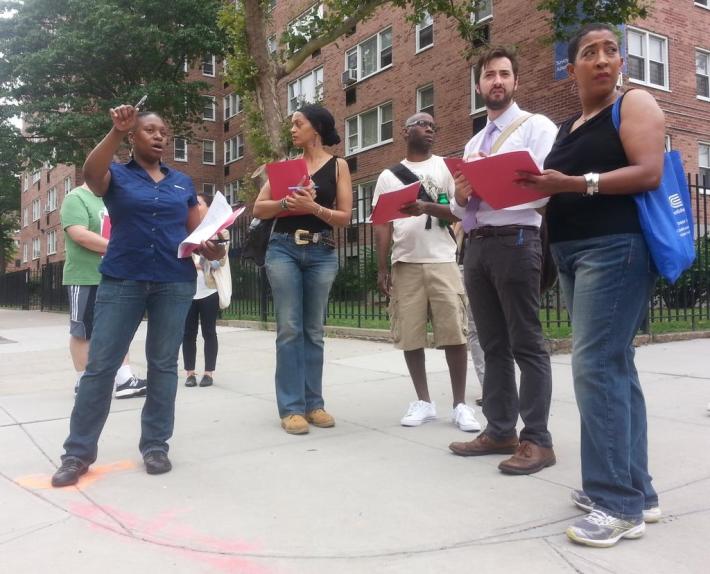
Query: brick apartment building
x,y
387,69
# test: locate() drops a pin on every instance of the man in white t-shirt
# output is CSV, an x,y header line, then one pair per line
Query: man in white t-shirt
x,y
425,282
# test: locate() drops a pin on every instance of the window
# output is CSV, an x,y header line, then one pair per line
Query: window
x,y
35,210
301,26
52,199
25,217
35,248
180,145
26,182
483,12
67,185
232,190
702,73
24,252
307,88
362,201
209,111
208,189
208,154
234,148
647,61
477,103
271,44
704,165
703,3
208,66
232,105
425,33
51,242
370,56
36,176
425,99
369,129
667,142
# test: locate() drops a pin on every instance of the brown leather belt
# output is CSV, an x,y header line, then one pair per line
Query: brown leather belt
x,y
500,230
304,237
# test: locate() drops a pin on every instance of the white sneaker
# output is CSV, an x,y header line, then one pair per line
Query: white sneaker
x,y
419,412
463,417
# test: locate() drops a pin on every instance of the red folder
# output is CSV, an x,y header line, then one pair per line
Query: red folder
x,y
494,178
454,164
389,204
285,174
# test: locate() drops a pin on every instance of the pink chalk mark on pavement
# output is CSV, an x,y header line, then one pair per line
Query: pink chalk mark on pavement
x,y
164,530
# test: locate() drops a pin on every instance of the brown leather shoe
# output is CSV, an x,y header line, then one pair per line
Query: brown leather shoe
x,y
529,458
320,418
483,444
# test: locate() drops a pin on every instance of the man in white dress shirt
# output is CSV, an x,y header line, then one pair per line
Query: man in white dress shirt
x,y
502,266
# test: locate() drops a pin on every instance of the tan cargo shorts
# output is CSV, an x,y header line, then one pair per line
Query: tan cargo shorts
x,y
423,292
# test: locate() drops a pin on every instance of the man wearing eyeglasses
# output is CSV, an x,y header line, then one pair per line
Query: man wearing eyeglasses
x,y
425,282
502,266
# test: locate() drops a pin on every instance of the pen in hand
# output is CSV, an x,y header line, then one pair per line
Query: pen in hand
x,y
140,103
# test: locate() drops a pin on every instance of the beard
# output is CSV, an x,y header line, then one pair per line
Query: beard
x,y
498,104
420,145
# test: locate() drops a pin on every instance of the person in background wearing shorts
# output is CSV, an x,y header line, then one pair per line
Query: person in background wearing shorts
x,y
82,216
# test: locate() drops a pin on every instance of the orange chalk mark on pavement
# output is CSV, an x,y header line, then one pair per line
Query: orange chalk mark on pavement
x,y
96,473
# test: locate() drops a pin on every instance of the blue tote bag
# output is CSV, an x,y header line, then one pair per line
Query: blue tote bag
x,y
665,215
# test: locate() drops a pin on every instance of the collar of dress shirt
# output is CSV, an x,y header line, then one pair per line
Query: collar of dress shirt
x,y
508,116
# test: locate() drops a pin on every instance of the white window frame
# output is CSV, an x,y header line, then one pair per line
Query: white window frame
x,y
232,191
358,50
309,89
213,65
304,17
425,23
419,97
208,188
475,95
51,199
234,149
36,210
51,242
358,149
667,142
706,53
26,181
25,251
36,248
232,105
181,158
704,191
362,208
489,16
214,152
213,101
272,44
36,176
646,59
706,5
67,185
25,216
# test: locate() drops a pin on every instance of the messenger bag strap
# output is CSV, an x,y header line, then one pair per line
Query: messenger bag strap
x,y
512,126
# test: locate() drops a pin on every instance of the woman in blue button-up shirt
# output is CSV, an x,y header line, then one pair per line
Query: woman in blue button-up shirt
x,y
152,209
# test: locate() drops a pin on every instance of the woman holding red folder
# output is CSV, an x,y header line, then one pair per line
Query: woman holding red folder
x,y
607,279
301,264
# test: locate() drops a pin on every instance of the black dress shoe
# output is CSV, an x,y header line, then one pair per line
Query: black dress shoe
x,y
157,462
191,381
69,473
206,381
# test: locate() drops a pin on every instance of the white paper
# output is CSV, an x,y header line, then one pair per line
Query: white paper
x,y
219,216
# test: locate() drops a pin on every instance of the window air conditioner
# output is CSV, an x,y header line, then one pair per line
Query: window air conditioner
x,y
349,77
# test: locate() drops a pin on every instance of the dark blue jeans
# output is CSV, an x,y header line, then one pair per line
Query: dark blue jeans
x,y
607,282
300,277
120,306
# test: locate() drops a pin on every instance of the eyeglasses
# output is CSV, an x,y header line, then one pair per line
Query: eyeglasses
x,y
423,124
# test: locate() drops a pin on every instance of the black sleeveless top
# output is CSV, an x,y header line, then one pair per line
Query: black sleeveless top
x,y
595,146
325,180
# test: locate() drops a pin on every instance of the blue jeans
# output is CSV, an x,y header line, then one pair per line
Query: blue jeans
x,y
120,306
300,278
607,282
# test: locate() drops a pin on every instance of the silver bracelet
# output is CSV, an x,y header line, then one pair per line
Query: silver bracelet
x,y
592,181
283,204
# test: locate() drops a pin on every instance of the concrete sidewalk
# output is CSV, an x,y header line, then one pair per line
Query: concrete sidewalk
x,y
367,496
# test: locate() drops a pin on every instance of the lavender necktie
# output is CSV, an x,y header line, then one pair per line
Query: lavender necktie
x,y
469,218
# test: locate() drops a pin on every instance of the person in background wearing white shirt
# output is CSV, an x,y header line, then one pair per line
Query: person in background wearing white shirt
x,y
425,282
502,266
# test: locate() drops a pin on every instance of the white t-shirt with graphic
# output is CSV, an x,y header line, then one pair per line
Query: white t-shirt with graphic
x,y
412,242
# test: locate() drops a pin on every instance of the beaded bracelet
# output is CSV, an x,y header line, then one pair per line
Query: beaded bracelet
x,y
283,204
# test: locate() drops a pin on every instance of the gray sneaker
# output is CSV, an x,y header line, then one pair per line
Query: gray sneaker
x,y
582,501
133,387
602,530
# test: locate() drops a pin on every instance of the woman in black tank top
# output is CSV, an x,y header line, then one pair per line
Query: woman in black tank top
x,y
606,278
301,264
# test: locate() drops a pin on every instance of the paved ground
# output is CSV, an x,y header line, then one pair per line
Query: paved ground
x,y
368,496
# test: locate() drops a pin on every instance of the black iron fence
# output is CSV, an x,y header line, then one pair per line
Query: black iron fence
x,y
355,300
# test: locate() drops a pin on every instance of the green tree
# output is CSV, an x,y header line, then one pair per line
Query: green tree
x,y
255,72
10,166
64,63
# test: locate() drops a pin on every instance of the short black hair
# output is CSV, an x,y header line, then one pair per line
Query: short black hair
x,y
494,53
576,39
